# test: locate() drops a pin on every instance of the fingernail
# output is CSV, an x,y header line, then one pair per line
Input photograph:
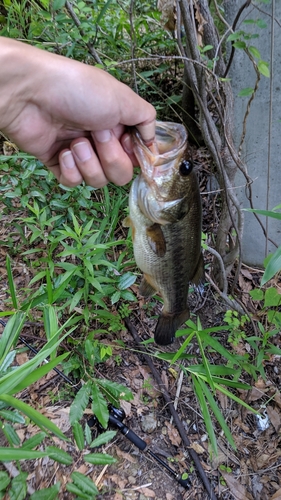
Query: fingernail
x,y
67,159
102,135
127,144
82,151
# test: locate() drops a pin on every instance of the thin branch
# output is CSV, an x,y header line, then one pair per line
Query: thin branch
x,y
76,20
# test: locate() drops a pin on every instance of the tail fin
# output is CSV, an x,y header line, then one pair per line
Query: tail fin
x,y
167,326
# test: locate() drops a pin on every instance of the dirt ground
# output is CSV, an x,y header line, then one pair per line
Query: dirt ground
x,y
252,472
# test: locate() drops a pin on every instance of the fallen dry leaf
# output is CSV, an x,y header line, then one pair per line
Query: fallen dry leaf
x,y
274,417
173,434
127,407
246,273
22,358
256,394
197,447
126,456
118,496
277,398
149,493
169,496
238,491
121,483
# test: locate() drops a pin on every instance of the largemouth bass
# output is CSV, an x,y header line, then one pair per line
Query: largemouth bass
x,y
165,216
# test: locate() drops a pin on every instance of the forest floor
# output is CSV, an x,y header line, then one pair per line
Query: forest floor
x,y
251,472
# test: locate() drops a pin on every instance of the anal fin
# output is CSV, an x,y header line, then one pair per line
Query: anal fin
x,y
147,287
167,326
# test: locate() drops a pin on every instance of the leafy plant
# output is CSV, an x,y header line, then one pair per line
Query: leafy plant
x,y
208,379
273,261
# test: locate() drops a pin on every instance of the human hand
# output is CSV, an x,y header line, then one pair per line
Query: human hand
x,y
69,115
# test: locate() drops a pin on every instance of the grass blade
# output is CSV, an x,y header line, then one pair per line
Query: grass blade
x,y
11,283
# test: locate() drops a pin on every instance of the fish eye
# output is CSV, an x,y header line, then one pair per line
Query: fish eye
x,y
185,167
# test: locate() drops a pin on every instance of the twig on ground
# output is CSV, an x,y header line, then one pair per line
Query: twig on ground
x,y
230,302
179,385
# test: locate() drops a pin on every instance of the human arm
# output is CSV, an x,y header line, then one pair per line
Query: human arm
x,y
70,115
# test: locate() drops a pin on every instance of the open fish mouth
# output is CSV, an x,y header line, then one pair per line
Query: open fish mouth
x,y
170,141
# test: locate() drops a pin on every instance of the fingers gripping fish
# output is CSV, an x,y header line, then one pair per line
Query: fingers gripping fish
x,y
165,216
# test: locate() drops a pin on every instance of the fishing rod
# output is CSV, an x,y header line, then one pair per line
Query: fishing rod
x,y
116,417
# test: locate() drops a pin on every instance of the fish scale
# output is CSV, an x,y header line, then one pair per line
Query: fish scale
x,y
165,216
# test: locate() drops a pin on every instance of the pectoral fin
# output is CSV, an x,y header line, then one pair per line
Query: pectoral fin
x,y
156,239
167,326
127,222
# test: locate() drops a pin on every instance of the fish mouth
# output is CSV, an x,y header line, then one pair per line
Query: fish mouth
x,y
170,141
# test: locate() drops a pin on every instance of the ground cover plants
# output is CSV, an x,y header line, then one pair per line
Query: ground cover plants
x,y
68,280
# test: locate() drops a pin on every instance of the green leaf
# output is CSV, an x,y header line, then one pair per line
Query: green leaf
x,y
7,361
58,4
99,459
84,483
10,454
76,491
50,320
115,391
11,283
11,333
47,493
206,414
79,404
103,438
272,267
254,51
115,297
99,406
267,213
88,434
78,434
4,480
39,373
18,488
234,36
59,455
103,11
10,433
257,294
246,92
261,23
126,280
43,422
206,48
272,297
264,68
217,413
239,45
76,299
34,441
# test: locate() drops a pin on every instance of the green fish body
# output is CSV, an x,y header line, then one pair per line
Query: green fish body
x,y
165,216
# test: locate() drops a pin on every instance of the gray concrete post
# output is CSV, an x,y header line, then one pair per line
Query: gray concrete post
x,y
262,146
